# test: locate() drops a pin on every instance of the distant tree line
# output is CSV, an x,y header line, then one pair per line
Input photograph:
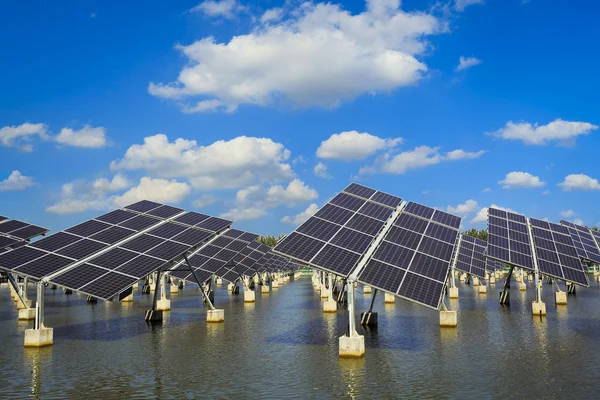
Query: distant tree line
x,y
270,240
477,233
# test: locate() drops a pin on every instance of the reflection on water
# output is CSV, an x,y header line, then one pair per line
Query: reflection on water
x,y
283,345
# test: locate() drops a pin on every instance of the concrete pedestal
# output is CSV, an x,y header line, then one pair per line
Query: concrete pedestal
x,y
135,286
128,299
215,316
352,346
448,318
68,291
21,306
368,319
39,337
275,284
530,277
153,316
453,292
330,306
152,287
522,287
230,287
163,305
461,277
538,308
560,298
367,289
324,293
91,299
389,298
174,288
475,281
482,289
249,296
492,280
27,314
264,289
219,281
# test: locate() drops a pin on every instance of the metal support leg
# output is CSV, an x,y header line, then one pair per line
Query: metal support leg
x,y
15,286
505,293
351,323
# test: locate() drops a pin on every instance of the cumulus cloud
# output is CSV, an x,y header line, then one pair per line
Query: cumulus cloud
x,y
244,214
420,157
272,15
515,180
225,164
568,213
460,5
219,8
20,136
87,136
487,190
579,182
353,145
467,207
302,217
467,62
564,132
579,221
159,190
320,170
16,181
481,215
205,201
320,56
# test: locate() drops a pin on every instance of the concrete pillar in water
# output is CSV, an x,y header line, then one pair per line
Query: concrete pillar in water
x,y
330,306
475,281
135,286
324,292
21,306
27,314
389,298
215,316
353,346
249,296
453,292
163,304
538,308
126,299
230,287
560,298
275,284
265,289
367,289
448,319
39,337
461,277
174,288
492,280
219,281
522,286
482,289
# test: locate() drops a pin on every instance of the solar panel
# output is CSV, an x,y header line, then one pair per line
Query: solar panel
x,y
556,253
14,233
583,241
413,259
471,256
337,236
508,240
214,224
143,206
191,218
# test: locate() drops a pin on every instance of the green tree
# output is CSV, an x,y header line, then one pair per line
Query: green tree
x,y
479,234
595,228
270,240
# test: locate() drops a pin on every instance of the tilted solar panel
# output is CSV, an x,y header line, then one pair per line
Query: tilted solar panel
x,y
471,256
584,242
508,238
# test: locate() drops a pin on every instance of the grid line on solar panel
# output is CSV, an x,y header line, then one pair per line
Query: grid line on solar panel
x,y
191,218
112,235
28,232
140,223
214,224
88,228
143,206
375,211
55,241
347,201
43,266
165,211
583,240
81,249
108,285
360,190
511,243
12,225
117,216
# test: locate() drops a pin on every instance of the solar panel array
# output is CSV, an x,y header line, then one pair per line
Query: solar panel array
x,y
15,233
493,265
213,257
584,243
471,256
243,262
272,262
556,254
104,256
508,238
414,257
337,236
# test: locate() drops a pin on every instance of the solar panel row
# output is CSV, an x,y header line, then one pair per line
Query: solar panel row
x,y
508,238
471,256
584,242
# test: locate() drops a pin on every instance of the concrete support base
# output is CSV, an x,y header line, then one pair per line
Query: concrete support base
x,y
219,281
352,346
249,296
538,308
522,287
461,277
153,316
482,289
389,298
324,293
448,319
21,306
128,299
135,286
475,281
275,284
163,305
91,299
453,292
27,314
230,287
264,289
215,316
39,337
368,319
174,288
330,306
367,289
492,280
560,298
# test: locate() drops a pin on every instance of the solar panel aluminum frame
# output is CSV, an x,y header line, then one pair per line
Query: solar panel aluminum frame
x,y
455,258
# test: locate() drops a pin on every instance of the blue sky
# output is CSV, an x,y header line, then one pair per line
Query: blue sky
x,y
269,108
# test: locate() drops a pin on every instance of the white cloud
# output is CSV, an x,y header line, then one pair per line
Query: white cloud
x,y
16,181
563,131
159,190
467,207
487,190
244,214
579,182
320,170
579,221
320,56
219,8
272,15
460,5
353,145
297,192
19,136
223,164
517,179
545,192
87,136
481,215
117,183
467,62
302,217
205,201
420,157
567,213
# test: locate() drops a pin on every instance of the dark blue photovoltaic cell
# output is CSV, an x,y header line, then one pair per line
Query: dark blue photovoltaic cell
x,y
116,217
142,243
442,233
233,233
214,224
471,256
113,258
28,232
403,237
79,276
497,213
318,228
508,240
352,240
168,230
386,199
376,211
446,219
347,201
411,223
421,290
430,267
109,285
140,222
9,226
192,237
112,235
419,210
81,249
394,255
88,228
299,246
168,250
382,276
20,256
365,224
359,190
248,237
56,241
333,213
165,211
140,266
436,248
43,266
191,218
343,260
143,206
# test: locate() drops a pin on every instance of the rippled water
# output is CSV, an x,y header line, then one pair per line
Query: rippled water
x,y
283,346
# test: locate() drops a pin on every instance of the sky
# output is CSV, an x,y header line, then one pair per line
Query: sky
x,y
262,111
